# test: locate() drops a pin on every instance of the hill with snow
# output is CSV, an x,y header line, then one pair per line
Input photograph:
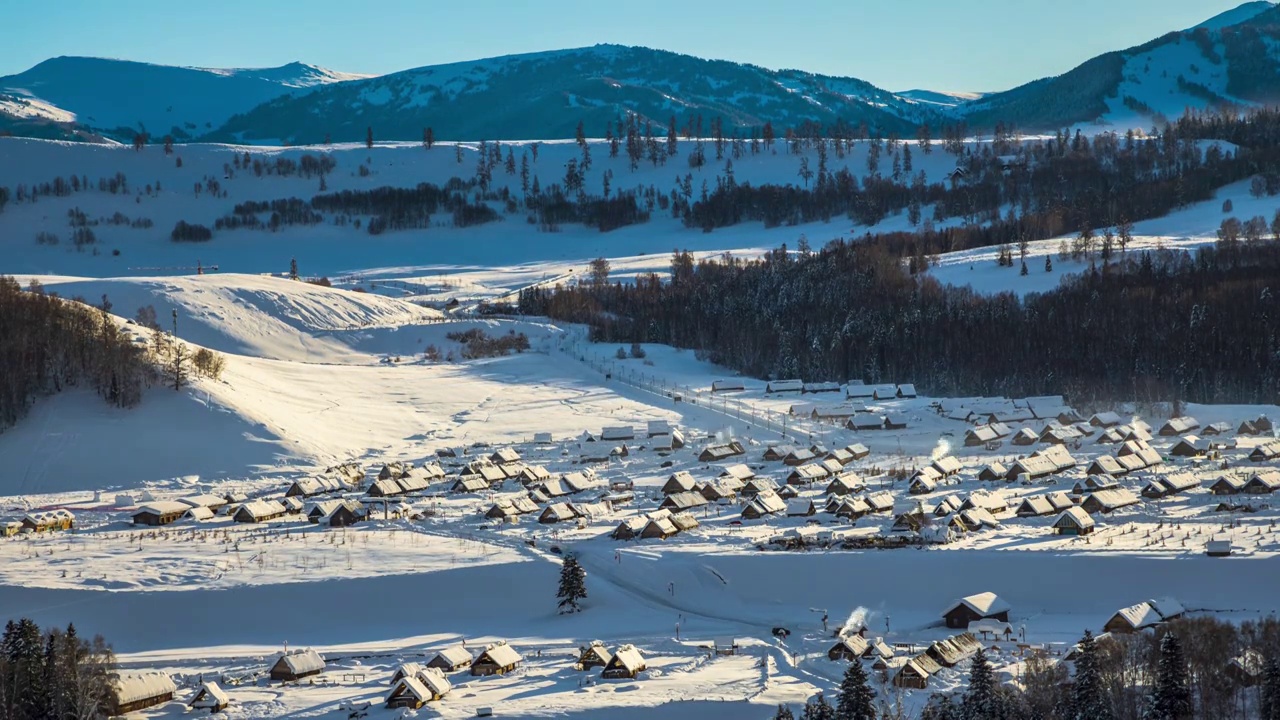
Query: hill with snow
x,y
1231,59
119,97
547,94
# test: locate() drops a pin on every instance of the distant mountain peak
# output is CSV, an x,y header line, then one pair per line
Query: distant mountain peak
x,y
1235,16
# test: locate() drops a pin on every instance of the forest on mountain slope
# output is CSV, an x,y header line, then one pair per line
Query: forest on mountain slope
x,y
1149,326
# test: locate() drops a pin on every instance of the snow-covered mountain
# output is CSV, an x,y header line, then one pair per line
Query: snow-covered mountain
x,y
1236,15
1230,59
119,97
547,94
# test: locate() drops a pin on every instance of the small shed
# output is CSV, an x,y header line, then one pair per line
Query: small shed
x,y
497,659
727,386
1219,546
209,697
781,386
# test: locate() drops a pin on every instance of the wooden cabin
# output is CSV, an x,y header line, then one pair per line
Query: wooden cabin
x,y
497,659
1073,521
594,655
679,482
161,512
626,663
451,659
297,664
915,673
48,520
130,693
1179,426
848,648
976,607
258,511
209,697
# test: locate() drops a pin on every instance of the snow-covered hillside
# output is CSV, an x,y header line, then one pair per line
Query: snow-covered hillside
x,y
331,249
120,97
547,94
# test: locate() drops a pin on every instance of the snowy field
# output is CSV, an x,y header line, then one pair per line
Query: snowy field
x,y
317,377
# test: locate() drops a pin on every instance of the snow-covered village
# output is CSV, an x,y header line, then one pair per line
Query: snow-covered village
x,y
770,394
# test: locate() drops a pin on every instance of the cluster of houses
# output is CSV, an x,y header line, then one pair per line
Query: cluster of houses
x,y
983,613
39,521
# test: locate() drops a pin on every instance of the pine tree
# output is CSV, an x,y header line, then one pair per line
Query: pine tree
x,y
819,709
982,699
368,137
856,699
1269,693
1024,267
177,358
573,585
1170,697
1048,263
784,713
1089,697
293,268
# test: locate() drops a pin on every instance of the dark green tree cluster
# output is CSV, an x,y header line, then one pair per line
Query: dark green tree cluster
x,y
851,311
51,345
53,675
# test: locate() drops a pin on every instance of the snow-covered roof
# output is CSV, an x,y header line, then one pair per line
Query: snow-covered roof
x,y
302,661
501,654
454,656
1074,516
739,472
984,603
1168,607
131,688
199,513
412,686
629,658
209,695
259,509
163,507
434,680
1140,616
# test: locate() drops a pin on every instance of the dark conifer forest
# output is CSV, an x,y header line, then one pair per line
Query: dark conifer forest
x,y
1156,326
50,344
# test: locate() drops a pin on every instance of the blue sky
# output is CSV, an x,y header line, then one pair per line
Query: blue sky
x,y
896,44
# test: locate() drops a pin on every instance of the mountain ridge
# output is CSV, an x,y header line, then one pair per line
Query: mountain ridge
x,y
1229,60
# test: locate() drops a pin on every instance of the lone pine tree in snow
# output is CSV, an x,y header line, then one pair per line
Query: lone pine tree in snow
x,y
573,585
1170,697
982,699
856,700
1089,697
